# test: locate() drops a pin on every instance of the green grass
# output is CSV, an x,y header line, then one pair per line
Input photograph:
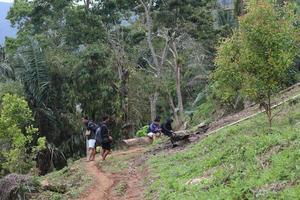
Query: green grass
x,y
73,177
245,161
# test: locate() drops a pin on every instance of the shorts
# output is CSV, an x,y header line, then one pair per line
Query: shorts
x,y
92,143
151,135
106,146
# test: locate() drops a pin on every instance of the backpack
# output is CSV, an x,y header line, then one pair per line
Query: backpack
x,y
92,126
98,136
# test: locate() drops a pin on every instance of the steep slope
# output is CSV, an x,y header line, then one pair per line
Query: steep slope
x,y
244,161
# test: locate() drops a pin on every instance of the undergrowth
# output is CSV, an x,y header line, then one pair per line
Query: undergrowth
x,y
73,178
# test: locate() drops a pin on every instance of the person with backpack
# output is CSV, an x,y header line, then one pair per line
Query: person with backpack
x,y
91,129
154,128
106,139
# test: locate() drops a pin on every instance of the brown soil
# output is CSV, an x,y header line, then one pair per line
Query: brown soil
x,y
127,184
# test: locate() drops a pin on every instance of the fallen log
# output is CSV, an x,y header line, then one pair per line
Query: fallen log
x,y
137,141
178,139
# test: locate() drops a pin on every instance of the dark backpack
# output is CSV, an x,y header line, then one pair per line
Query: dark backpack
x,y
98,136
92,126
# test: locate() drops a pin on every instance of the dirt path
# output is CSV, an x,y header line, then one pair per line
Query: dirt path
x,y
124,185
101,185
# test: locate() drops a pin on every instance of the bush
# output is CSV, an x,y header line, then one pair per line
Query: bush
x,y
16,133
203,113
143,131
15,186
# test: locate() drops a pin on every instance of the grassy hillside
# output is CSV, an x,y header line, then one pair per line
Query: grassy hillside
x,y
245,161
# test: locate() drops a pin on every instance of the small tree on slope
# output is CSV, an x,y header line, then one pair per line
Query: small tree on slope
x,y
255,60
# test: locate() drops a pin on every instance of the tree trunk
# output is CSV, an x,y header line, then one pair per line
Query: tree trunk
x,y
268,108
177,69
153,103
270,111
178,89
157,65
147,9
123,74
172,105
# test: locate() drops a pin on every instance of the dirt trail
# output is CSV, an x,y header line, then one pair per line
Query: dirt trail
x,y
124,185
101,185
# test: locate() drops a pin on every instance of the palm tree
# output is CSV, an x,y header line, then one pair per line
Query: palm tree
x,y
34,73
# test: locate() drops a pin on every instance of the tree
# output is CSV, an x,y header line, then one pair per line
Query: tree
x,y
168,24
17,132
256,59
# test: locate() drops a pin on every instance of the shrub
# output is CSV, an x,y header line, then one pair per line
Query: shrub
x,y
143,131
16,132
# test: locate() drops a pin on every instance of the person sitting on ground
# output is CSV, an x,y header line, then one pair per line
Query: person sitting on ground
x,y
106,139
166,128
154,128
91,133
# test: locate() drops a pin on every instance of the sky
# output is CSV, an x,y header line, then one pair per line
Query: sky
x,y
5,28
7,1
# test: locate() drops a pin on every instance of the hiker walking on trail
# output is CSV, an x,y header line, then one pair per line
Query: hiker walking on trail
x,y
154,128
91,136
106,139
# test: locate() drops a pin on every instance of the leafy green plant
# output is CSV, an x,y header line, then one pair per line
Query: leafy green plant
x,y
17,131
143,131
203,113
254,62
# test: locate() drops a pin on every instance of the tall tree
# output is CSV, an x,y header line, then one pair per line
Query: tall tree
x,y
260,53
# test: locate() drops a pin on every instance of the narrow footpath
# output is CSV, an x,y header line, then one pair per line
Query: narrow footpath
x,y
124,185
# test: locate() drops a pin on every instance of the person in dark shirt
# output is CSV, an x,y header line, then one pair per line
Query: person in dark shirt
x,y
106,139
166,128
91,134
168,131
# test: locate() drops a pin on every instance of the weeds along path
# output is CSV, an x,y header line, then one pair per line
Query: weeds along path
x,y
125,183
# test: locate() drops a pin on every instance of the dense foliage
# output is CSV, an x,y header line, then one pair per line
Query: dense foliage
x,y
256,60
16,134
135,59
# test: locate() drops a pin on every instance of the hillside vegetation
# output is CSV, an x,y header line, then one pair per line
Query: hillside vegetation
x,y
135,66
245,161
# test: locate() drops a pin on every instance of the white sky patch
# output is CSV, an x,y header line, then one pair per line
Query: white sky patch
x,y
7,1
81,2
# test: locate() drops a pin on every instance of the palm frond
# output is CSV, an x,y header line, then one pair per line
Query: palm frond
x,y
6,72
34,75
